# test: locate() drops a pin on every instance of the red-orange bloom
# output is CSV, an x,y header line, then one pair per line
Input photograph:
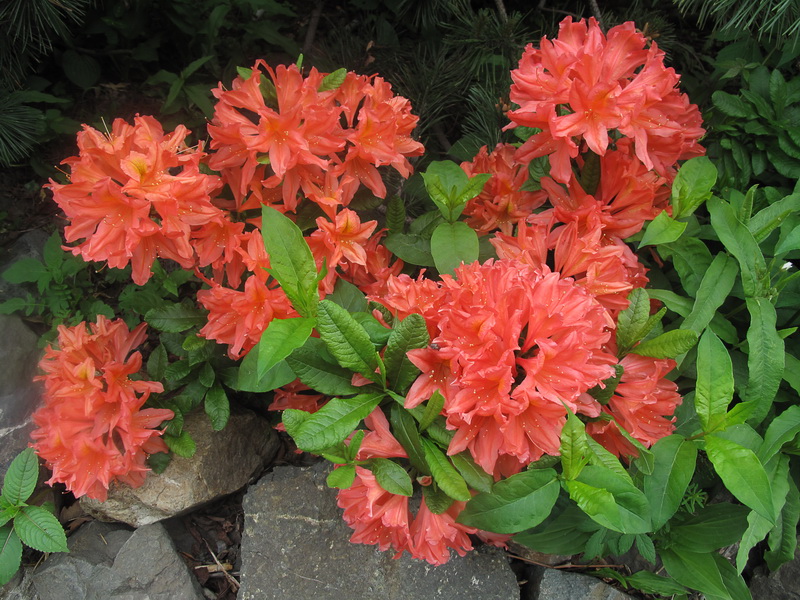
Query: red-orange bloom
x,y
502,203
92,429
511,345
136,194
582,85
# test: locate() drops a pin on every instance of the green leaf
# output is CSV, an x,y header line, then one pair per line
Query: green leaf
x,y
435,499
667,345
662,230
346,339
391,477
675,459
692,186
474,475
712,527
742,245
246,374
410,334
450,188
291,261
159,461
566,534
453,244
404,428
731,105
333,81
782,430
10,553
631,321
334,422
783,539
699,571
610,500
26,270
714,289
444,473
342,477
412,248
433,408
650,583
293,419
157,363
742,473
714,389
515,504
574,448
217,407
40,530
765,358
21,477
319,374
175,318
645,547
348,296
771,217
279,340
183,445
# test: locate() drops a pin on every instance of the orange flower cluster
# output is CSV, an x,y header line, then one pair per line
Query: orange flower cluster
x,y
585,89
92,429
135,194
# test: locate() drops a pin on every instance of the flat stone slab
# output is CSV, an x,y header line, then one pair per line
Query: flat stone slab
x,y
557,585
296,545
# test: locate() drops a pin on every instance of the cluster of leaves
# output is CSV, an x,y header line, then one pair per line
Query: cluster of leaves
x,y
21,523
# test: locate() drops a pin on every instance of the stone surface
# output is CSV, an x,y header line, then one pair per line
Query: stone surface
x,y
19,395
225,461
29,245
110,562
295,545
557,585
783,584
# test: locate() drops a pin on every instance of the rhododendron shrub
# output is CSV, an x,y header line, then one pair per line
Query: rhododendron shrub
x,y
93,429
470,372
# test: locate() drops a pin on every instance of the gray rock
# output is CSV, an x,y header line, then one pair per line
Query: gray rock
x,y
19,394
225,461
783,584
295,545
29,245
109,562
557,585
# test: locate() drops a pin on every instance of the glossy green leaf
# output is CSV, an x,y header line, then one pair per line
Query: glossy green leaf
x,y
40,530
175,318
692,185
515,504
765,358
183,445
319,374
290,259
342,477
771,217
334,422
444,473
453,244
662,230
409,334
333,81
435,499
651,583
610,500
708,573
783,538
667,345
631,321
391,476
433,408
742,245
348,296
217,406
10,553
567,533
279,340
782,429
742,473
473,474
674,466
404,428
574,448
714,289
21,477
714,389
346,339
712,527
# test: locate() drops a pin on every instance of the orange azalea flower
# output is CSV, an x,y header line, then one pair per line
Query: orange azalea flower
x,y
502,203
384,519
511,344
136,194
92,429
583,84
345,237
